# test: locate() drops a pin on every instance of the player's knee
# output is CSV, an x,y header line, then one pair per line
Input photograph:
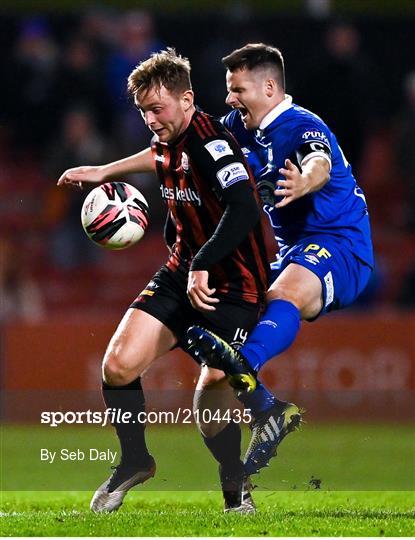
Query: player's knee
x,y
210,379
216,378
119,369
308,304
292,295
114,373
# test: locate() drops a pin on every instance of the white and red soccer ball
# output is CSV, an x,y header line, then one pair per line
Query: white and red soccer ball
x,y
115,215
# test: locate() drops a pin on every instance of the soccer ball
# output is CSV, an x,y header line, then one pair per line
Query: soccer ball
x,y
115,215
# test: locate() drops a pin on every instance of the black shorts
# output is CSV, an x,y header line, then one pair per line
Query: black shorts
x,y
165,298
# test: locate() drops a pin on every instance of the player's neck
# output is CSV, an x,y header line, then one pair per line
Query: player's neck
x,y
187,119
188,116
279,105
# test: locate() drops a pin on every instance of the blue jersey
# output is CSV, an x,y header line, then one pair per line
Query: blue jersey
x,y
338,209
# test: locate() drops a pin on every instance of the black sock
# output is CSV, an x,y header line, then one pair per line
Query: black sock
x,y
129,398
226,449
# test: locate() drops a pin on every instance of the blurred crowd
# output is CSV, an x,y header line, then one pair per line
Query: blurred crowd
x,y
65,104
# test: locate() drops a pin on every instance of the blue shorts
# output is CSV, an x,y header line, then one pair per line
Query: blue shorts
x,y
343,276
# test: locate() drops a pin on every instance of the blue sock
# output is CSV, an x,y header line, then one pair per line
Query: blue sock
x,y
273,334
258,401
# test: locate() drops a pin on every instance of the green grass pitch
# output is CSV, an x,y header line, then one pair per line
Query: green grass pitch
x,y
366,475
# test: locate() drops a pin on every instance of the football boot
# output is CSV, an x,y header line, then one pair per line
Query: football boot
x,y
208,348
236,493
110,495
268,430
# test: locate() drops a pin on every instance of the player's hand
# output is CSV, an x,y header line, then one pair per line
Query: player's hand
x,y
293,187
198,291
77,175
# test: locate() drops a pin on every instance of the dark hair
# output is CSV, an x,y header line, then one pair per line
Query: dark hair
x,y
257,56
165,68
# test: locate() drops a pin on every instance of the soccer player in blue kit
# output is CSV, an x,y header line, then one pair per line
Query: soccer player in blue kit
x,y
320,221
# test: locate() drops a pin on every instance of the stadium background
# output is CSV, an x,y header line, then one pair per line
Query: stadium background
x,y
63,100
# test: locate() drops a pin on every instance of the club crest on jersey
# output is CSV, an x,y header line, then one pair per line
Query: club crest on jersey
x,y
185,162
266,190
218,149
235,172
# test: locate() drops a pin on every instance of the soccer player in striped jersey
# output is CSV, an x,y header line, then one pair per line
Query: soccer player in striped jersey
x,y
215,276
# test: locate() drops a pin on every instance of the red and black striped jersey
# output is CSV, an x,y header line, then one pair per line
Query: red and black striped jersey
x,y
202,174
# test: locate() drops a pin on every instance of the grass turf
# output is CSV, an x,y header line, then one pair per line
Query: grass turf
x,y
362,471
198,514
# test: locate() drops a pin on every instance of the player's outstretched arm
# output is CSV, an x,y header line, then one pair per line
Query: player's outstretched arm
x,y
141,162
77,175
315,174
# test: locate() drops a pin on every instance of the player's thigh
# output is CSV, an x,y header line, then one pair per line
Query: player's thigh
x,y
138,340
165,298
350,278
319,275
150,327
300,286
343,276
231,321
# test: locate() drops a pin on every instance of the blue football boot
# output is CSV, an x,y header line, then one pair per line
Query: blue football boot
x,y
268,430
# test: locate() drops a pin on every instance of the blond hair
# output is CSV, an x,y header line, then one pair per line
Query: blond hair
x,y
164,68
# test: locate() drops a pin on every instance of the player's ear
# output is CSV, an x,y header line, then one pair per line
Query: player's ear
x,y
187,99
270,87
